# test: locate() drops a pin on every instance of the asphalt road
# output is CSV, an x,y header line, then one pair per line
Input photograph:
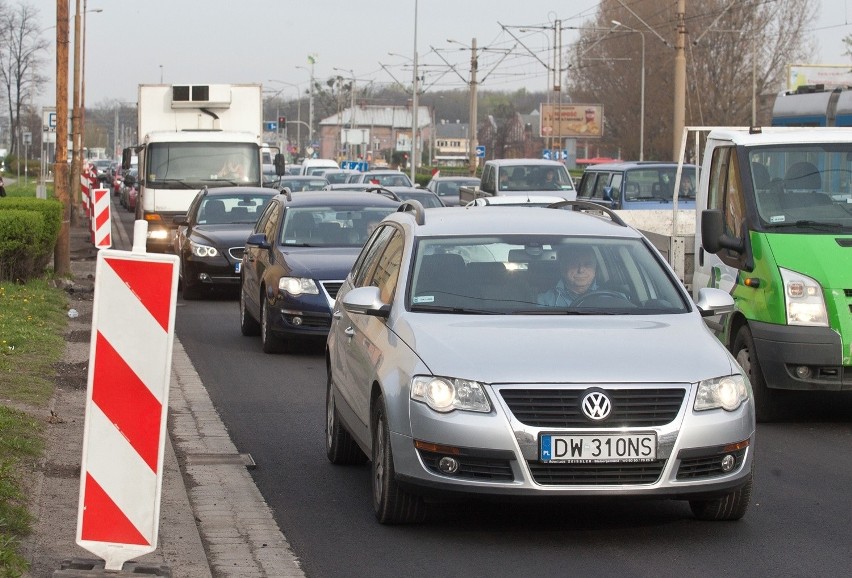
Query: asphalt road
x,y
799,524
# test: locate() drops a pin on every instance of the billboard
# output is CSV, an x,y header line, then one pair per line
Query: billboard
x,y
571,120
832,76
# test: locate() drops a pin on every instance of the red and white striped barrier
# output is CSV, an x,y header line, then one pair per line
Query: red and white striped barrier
x,y
101,221
84,193
127,402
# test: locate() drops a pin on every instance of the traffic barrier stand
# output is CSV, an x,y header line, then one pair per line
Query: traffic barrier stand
x,y
101,220
127,398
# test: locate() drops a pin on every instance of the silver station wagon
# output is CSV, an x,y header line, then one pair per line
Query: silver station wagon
x,y
532,352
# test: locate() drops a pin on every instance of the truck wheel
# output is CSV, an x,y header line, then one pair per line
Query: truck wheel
x,y
729,507
270,342
765,402
248,324
393,504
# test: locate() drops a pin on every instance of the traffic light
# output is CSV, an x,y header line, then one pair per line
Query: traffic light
x,y
282,121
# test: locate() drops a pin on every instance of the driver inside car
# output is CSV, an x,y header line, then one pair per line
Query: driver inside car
x,y
578,267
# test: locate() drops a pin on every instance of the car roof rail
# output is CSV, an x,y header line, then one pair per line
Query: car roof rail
x,y
416,207
589,206
383,191
286,192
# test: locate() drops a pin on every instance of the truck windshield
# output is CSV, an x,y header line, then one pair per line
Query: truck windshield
x,y
179,165
803,188
534,178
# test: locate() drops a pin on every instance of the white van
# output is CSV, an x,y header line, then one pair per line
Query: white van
x,y
310,165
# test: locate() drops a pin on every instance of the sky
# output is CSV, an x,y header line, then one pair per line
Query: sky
x,y
228,41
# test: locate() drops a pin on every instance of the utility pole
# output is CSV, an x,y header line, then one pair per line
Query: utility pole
x,y
474,66
62,252
679,81
76,140
414,105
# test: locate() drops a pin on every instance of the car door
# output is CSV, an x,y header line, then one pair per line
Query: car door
x,y
359,337
256,258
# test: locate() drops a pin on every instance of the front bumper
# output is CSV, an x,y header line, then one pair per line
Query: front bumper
x,y
780,349
220,270
498,453
305,315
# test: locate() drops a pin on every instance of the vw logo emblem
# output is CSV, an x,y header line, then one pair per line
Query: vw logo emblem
x,y
596,405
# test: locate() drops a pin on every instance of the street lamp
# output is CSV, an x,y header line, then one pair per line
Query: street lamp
x,y
310,70
351,105
298,88
616,23
414,105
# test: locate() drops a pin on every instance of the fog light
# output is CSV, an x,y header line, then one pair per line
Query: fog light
x,y
296,320
448,465
728,463
803,372
204,276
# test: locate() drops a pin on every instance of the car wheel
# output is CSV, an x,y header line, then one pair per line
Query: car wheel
x,y
270,342
729,507
765,399
393,505
189,290
248,324
340,447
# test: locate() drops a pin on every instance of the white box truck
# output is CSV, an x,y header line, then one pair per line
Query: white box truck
x,y
191,137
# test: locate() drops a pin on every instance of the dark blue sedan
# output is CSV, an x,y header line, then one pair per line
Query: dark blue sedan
x,y
296,259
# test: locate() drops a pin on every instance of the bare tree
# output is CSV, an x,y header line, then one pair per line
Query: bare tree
x,y
732,49
22,50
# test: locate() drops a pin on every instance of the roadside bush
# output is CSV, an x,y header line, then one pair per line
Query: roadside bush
x,y
24,248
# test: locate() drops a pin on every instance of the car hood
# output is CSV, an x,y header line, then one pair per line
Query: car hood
x,y
328,263
817,256
223,235
582,349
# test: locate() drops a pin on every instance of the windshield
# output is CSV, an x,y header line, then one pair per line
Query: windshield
x,y
192,165
231,209
330,226
535,178
803,188
541,275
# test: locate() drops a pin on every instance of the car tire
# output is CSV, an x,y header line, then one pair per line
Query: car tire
x,y
765,399
729,507
393,505
249,326
189,290
270,342
340,446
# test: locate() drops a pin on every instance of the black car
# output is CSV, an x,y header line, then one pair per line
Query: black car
x,y
296,259
427,198
211,236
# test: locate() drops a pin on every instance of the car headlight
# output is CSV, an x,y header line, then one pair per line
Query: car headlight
x,y
298,285
445,394
159,234
200,250
803,299
727,392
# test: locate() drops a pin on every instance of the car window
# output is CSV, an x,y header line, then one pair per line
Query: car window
x,y
385,271
370,255
600,185
330,226
239,208
271,225
528,274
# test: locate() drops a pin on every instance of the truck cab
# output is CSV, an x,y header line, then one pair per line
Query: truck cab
x,y
774,228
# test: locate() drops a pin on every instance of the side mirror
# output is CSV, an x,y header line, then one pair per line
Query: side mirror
x,y
280,168
126,157
180,219
713,238
366,301
258,239
713,302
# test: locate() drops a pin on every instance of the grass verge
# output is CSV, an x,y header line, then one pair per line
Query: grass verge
x,y
32,326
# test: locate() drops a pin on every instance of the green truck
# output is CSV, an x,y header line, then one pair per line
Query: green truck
x,y
774,227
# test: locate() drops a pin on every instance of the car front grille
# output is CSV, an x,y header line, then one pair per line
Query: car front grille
x,y
471,467
332,287
709,466
560,408
236,253
631,473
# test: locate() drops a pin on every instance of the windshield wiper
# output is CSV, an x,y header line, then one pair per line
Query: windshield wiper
x,y
560,311
808,224
180,182
448,309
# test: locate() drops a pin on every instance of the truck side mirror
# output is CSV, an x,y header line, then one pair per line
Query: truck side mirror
x,y
126,156
280,168
713,237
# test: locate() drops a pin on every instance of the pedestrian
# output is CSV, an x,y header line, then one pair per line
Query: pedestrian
x,y
2,187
